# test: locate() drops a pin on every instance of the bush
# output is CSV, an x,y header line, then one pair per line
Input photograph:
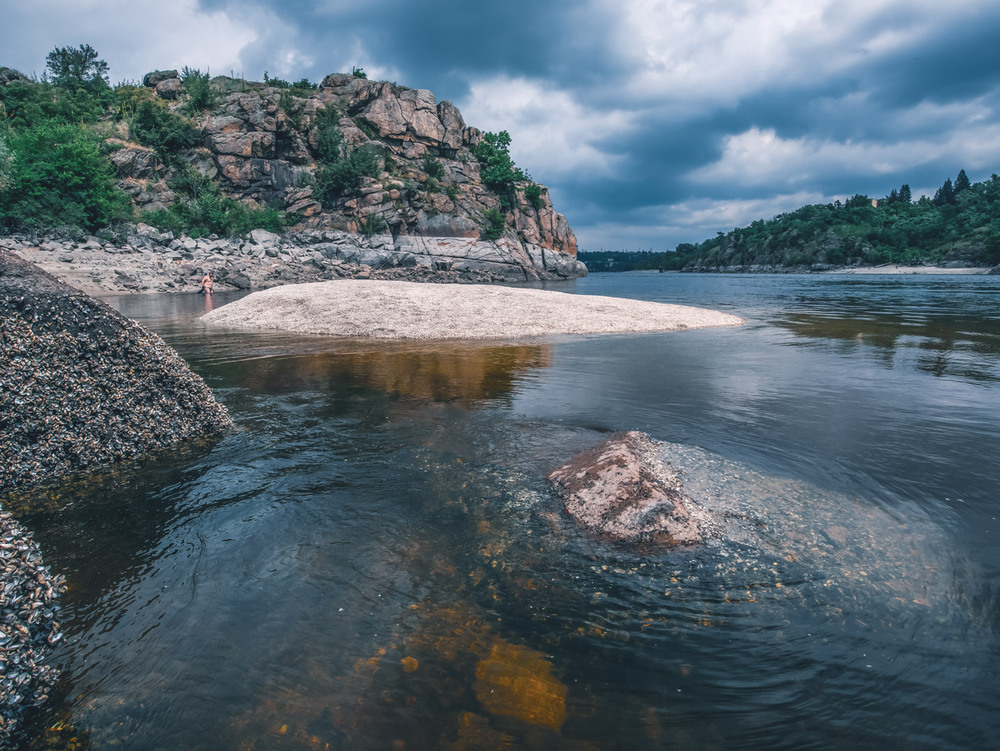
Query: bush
x,y
433,167
199,88
57,177
206,211
496,223
533,194
340,169
166,133
498,171
372,224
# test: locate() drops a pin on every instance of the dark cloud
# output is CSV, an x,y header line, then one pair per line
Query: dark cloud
x,y
874,95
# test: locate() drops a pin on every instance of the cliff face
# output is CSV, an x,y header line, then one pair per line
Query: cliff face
x,y
262,145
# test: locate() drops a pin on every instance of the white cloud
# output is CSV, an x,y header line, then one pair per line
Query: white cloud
x,y
552,134
134,36
717,51
759,157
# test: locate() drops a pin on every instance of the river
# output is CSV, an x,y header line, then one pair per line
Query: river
x,y
372,559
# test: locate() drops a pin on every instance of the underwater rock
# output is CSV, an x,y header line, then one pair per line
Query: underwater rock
x,y
621,490
516,681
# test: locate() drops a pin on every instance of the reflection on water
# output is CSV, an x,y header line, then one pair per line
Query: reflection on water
x,y
465,373
373,560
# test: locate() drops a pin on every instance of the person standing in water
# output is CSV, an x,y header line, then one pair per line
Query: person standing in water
x,y
207,283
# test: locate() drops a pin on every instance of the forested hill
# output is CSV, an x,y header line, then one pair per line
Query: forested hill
x,y
960,225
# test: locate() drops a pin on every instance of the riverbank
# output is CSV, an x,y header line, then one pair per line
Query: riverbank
x,y
402,310
146,260
895,268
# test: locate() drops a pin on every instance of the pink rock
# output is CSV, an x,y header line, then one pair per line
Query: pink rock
x,y
621,490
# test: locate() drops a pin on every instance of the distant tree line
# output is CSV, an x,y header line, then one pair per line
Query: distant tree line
x,y
960,223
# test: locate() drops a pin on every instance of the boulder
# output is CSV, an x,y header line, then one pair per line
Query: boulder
x,y
169,89
151,79
622,491
81,385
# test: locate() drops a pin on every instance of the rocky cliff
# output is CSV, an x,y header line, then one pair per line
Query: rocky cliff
x,y
427,203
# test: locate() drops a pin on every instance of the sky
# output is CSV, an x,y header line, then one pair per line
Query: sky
x,y
652,122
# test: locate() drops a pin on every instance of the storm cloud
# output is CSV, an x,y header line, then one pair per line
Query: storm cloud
x,y
653,122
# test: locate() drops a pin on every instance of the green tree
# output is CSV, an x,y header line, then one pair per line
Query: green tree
x,y
945,194
962,182
77,67
498,171
58,177
905,196
199,90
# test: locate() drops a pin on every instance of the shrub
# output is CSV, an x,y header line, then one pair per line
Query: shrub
x,y
496,223
533,194
433,167
498,170
199,90
340,169
166,133
372,224
58,177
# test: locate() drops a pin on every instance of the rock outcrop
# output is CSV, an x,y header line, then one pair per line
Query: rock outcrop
x,y
622,491
82,385
260,143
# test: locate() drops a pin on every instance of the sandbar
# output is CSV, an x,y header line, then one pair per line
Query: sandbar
x,y
895,268
410,310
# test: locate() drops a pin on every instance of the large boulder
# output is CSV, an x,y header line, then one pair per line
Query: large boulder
x,y
81,385
623,491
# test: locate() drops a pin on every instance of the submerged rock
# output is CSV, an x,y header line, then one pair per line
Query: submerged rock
x,y
621,490
81,385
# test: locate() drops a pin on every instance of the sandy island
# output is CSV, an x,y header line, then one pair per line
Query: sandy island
x,y
408,310
895,268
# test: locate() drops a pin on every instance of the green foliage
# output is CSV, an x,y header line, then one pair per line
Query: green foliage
x,y
452,191
963,226
304,84
496,223
199,90
498,171
339,168
358,72
533,194
6,162
432,167
372,224
58,177
76,68
163,131
203,210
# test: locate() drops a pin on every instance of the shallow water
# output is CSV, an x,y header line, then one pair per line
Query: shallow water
x,y
373,558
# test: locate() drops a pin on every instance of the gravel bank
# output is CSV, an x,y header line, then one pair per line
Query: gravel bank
x,y
81,385
27,625
405,310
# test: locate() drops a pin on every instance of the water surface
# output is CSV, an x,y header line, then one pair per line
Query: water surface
x,y
372,558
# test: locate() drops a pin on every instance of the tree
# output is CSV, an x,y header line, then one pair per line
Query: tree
x,y
945,194
77,68
498,170
59,178
905,196
961,182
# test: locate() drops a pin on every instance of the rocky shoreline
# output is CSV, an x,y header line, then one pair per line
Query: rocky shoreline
x,y
28,626
80,386
146,260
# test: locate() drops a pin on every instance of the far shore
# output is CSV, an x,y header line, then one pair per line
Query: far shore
x,y
895,268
